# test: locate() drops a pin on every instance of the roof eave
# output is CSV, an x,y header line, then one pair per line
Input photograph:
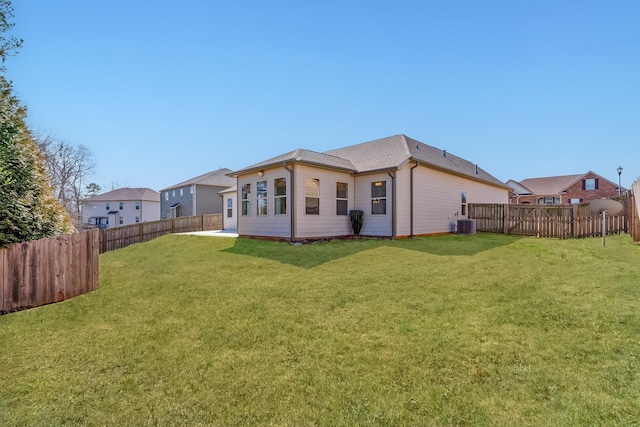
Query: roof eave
x,y
288,161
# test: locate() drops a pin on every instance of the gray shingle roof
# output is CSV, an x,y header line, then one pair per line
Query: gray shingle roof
x,y
216,178
126,194
393,151
381,154
303,156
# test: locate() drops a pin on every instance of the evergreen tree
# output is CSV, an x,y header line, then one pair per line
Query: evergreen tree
x,y
28,208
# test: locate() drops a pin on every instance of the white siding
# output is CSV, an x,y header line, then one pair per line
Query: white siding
x,y
269,225
150,211
327,223
437,200
374,225
437,203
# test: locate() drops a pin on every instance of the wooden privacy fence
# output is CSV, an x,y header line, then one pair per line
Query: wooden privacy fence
x,y
634,212
546,221
48,270
120,237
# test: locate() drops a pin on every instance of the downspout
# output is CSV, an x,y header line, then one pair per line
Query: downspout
x,y
292,203
411,190
223,209
193,202
393,205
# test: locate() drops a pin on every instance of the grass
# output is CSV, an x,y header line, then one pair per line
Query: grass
x,y
451,330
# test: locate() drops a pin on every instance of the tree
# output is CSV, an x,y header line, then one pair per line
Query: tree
x,y
28,208
8,45
68,167
92,189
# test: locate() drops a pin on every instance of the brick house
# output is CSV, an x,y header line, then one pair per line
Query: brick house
x,y
562,190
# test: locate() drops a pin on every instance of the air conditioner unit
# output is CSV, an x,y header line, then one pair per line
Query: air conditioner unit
x,y
467,226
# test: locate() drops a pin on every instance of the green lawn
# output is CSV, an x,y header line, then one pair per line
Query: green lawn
x,y
451,330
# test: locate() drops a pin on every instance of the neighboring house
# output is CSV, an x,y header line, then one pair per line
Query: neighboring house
x,y
562,190
123,206
196,196
403,186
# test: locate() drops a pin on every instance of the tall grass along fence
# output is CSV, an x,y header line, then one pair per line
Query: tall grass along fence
x,y
120,237
48,270
547,221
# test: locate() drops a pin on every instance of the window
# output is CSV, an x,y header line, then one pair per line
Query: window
x,y
379,198
261,197
137,206
121,220
312,196
246,199
463,200
107,205
121,205
575,201
590,184
549,200
229,207
173,193
280,196
166,196
181,193
137,219
342,204
191,191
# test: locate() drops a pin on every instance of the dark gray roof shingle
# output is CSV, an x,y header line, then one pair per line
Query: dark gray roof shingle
x,y
381,154
393,151
303,156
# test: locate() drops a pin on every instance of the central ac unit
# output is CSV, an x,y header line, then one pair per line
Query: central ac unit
x,y
467,226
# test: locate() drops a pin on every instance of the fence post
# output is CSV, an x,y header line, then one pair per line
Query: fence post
x,y
3,279
505,219
574,220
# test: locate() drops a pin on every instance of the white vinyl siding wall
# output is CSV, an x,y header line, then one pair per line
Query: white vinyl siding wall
x,y
269,225
437,200
327,223
149,211
373,225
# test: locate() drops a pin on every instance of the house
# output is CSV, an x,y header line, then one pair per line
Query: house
x,y
123,206
403,186
229,218
562,190
196,196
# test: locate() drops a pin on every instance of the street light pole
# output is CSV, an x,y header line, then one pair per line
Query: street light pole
x,y
619,181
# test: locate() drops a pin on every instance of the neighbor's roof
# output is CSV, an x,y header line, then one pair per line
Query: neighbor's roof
x,y
518,188
550,184
216,178
381,154
126,194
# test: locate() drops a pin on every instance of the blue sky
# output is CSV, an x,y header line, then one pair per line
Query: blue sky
x,y
164,91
